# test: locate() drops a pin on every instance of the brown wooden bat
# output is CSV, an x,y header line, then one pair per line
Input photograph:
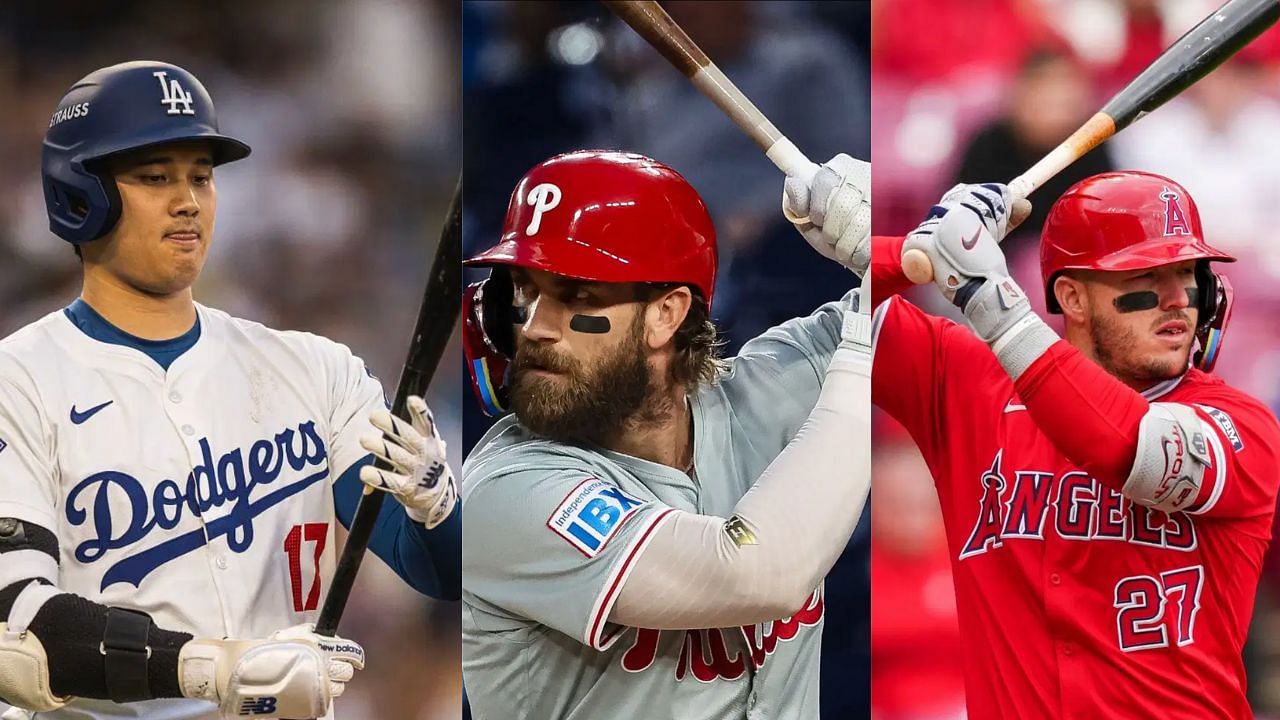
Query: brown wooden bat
x,y
653,24
1193,56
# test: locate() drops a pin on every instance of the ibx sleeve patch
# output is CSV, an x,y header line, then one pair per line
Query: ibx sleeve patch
x,y
592,513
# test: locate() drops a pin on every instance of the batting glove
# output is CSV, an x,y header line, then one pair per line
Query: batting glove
x,y
294,675
419,476
833,211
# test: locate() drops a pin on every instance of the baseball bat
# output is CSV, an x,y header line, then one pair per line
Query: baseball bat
x,y
653,24
1203,48
441,303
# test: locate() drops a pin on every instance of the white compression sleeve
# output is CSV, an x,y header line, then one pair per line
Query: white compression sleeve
x,y
801,512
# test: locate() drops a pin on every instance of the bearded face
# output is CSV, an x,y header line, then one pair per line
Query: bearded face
x,y
1142,343
578,399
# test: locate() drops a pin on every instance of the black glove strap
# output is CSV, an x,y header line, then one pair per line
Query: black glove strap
x,y
125,650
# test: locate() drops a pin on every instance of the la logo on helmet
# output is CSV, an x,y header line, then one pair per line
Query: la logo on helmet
x,y
1175,221
174,95
543,197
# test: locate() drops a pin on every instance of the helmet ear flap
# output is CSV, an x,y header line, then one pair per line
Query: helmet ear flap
x,y
83,207
488,339
495,298
1215,312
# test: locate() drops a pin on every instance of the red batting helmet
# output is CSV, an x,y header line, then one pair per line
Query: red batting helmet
x,y
590,215
1131,220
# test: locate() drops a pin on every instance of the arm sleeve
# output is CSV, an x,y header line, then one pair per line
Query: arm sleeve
x,y
1093,419
430,561
703,571
1088,415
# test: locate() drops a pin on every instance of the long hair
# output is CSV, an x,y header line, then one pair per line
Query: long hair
x,y
697,343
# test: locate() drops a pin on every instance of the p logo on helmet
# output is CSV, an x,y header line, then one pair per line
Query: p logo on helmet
x,y
593,215
543,198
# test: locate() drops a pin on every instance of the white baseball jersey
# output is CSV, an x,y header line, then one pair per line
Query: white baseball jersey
x,y
201,495
552,529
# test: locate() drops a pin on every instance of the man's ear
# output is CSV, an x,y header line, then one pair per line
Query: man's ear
x,y
664,315
1072,297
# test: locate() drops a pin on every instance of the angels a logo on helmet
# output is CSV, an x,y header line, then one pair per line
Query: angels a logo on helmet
x,y
544,197
1175,221
174,95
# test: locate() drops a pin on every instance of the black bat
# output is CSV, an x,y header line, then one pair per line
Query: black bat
x,y
441,303
1203,48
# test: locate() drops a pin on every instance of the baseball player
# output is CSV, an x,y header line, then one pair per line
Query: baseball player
x,y
1107,501
170,475
648,532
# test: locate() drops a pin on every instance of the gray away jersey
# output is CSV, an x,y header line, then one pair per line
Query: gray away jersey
x,y
551,531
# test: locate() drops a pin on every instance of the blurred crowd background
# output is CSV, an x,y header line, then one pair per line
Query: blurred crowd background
x,y
352,108
977,91
541,78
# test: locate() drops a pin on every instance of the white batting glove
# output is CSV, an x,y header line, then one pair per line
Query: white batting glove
x,y
833,211
293,675
419,477
993,203
970,269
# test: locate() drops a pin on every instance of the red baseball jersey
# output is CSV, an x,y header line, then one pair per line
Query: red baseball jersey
x,y
1073,601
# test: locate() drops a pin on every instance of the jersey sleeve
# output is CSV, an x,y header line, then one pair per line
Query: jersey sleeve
x,y
1244,442
926,370
27,469
887,278
354,393
774,381
554,547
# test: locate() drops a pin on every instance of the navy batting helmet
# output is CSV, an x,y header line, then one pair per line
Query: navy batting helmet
x,y
114,110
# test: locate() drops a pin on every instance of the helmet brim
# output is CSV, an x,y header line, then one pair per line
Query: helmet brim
x,y
224,148
570,259
1142,256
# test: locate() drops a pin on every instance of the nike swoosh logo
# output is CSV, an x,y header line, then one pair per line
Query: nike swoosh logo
x,y
1013,407
79,417
968,244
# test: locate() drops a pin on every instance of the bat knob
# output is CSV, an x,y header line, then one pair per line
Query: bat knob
x,y
916,266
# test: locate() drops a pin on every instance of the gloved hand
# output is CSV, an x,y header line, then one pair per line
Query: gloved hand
x,y
991,203
419,478
833,211
295,674
970,270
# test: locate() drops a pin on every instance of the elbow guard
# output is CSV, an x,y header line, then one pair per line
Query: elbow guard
x,y
1173,455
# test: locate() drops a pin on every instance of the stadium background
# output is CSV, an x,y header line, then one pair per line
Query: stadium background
x,y
352,110
976,91
540,78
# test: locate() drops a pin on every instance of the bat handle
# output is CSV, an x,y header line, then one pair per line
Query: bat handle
x,y
790,160
916,266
